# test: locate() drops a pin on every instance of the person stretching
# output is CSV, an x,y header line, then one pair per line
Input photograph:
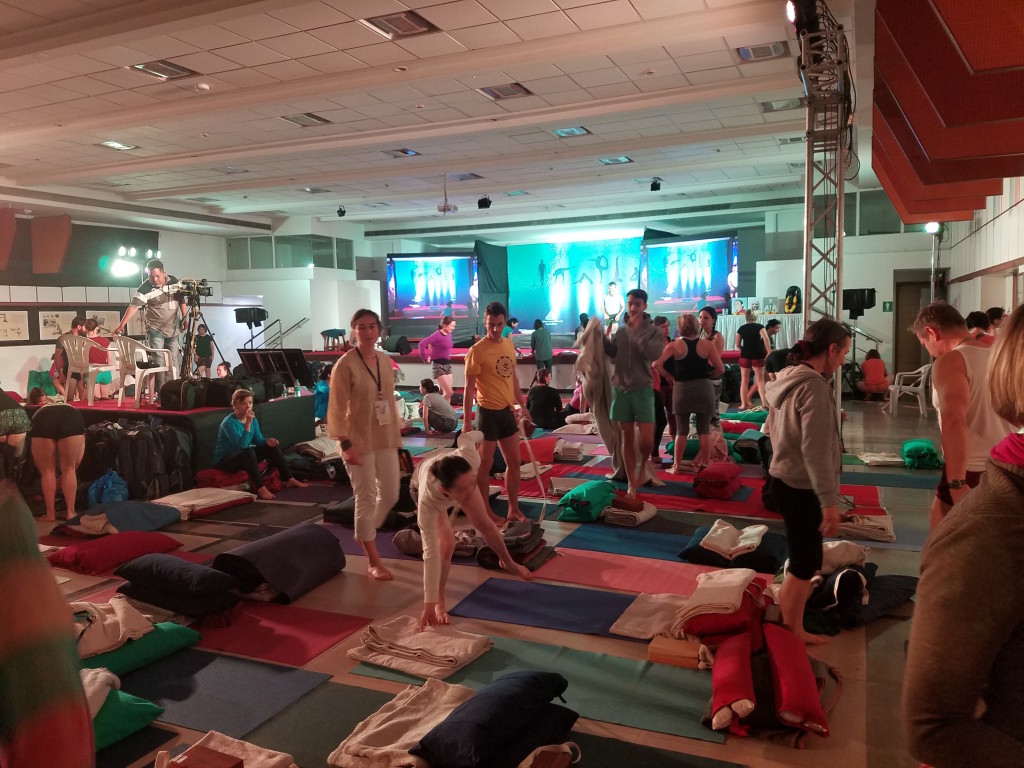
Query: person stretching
x,y
442,484
241,445
436,349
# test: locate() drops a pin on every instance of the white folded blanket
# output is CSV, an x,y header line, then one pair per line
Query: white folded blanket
x,y
649,616
717,592
579,418
837,555
565,451
319,448
191,501
617,516
869,527
383,740
109,626
729,542
526,470
436,652
252,756
98,683
577,429
558,486
882,459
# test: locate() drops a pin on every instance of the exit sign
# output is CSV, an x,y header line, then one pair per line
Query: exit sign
x,y
887,306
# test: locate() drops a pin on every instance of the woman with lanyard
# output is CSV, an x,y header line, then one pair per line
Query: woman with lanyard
x,y
708,320
436,349
362,416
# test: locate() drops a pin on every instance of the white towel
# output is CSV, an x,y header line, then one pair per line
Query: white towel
x,y
383,740
579,418
617,516
252,756
648,616
320,448
526,470
729,542
717,592
436,652
882,459
868,527
109,626
191,501
558,486
98,683
837,555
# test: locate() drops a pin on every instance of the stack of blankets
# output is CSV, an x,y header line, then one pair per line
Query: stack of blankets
x,y
320,449
566,451
525,542
434,653
726,603
867,527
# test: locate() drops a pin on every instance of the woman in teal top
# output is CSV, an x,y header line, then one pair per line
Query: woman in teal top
x,y
512,326
540,343
241,445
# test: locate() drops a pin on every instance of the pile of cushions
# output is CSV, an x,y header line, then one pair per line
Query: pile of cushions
x,y
767,557
720,480
525,543
107,552
178,586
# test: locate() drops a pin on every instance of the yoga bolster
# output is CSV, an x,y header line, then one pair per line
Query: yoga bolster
x,y
732,682
797,702
122,715
107,552
166,638
170,574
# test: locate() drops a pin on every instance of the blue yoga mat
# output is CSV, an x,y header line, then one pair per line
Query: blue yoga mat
x,y
626,541
638,694
549,606
925,482
211,692
672,488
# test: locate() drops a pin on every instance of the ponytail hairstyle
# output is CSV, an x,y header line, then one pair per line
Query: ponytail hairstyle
x,y
429,385
819,336
449,469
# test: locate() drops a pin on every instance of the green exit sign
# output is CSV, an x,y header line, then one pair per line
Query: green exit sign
x,y
887,306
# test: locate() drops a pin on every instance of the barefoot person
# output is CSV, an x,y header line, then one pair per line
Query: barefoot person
x,y
805,469
441,484
241,445
57,437
362,416
491,381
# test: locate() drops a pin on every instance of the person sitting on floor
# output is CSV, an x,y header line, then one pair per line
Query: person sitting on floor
x,y
438,415
441,483
14,422
223,369
576,403
322,394
544,403
876,379
241,445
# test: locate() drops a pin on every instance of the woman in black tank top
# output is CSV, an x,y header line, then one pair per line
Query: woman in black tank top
x,y
695,362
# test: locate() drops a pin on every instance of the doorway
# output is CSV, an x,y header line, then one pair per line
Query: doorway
x,y
911,291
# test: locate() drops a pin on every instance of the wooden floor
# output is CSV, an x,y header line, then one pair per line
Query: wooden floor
x,y
866,730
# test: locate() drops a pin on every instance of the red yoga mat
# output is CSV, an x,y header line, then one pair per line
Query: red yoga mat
x,y
283,634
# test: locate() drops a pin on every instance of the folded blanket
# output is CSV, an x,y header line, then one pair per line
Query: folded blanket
x,y
252,756
526,471
881,459
558,486
205,500
648,616
728,541
533,556
867,527
840,554
409,541
579,418
576,429
98,683
437,652
565,451
108,626
618,516
517,541
383,740
319,449
717,592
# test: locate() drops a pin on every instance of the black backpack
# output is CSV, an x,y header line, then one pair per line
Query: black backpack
x,y
176,446
141,463
102,446
405,504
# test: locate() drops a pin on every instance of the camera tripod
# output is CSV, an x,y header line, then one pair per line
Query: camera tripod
x,y
193,319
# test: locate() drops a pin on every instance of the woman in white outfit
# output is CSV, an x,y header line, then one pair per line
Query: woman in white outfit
x,y
361,415
443,483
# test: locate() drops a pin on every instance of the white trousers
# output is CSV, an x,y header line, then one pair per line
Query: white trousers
x,y
375,484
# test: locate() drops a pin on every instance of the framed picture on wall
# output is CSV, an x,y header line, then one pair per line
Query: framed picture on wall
x,y
770,305
107,319
55,323
14,326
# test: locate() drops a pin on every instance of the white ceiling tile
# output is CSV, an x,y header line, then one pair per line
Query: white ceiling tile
x,y
258,26
738,110
402,120
438,87
297,45
250,54
600,77
613,91
783,116
444,115
437,44
713,75
209,37
348,35
522,103
379,110
120,56
703,125
542,25
772,67
458,15
35,73
125,78
354,100
78,65
203,63
551,85
382,53
645,70
583,64
658,130
655,9
19,100
701,61
485,36
562,98
16,20
640,55
164,47
287,70
604,15
309,16
332,62
367,125
245,78
127,98
87,86
759,34
164,91
664,83
696,47
735,122
362,9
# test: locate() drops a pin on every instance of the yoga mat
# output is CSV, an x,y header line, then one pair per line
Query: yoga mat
x,y
639,694
132,749
925,482
626,541
385,546
282,634
550,606
416,450
268,513
313,727
315,493
851,460
602,752
210,692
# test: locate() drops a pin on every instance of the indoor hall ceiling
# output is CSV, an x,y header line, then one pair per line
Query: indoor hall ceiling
x,y
660,82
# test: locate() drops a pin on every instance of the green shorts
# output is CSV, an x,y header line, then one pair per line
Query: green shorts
x,y
633,406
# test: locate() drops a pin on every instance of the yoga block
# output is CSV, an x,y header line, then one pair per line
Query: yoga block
x,y
198,756
677,653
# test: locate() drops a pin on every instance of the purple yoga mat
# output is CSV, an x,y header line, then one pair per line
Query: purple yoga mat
x,y
385,547
316,493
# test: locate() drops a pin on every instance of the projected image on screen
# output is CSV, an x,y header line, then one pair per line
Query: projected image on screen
x,y
556,282
684,276
420,287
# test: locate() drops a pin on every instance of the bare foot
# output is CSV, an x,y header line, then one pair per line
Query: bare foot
x,y
296,483
379,572
49,518
631,493
263,493
515,515
675,469
809,639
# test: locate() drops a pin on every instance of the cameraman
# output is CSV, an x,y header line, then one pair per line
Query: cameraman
x,y
161,314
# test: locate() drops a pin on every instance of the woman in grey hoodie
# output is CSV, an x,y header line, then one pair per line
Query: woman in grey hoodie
x,y
806,465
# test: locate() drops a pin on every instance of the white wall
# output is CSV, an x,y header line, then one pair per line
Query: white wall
x,y
286,296
357,294
16,362
195,256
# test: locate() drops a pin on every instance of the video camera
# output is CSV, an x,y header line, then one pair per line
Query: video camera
x,y
191,287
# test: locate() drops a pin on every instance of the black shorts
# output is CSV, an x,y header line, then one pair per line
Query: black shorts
x,y
497,424
57,421
204,362
801,513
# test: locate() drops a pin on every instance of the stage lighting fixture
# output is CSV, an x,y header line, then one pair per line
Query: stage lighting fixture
x,y
656,184
483,203
932,227
804,16
341,210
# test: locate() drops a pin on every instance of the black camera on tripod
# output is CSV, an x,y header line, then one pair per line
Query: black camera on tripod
x,y
192,288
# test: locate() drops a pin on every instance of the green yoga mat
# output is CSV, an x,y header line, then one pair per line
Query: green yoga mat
x,y
639,694
850,460
602,752
925,481
418,450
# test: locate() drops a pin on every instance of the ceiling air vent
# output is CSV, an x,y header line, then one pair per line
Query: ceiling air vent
x,y
464,176
762,52
203,199
403,152
315,190
621,160
164,70
305,120
786,140
780,105
396,26
506,91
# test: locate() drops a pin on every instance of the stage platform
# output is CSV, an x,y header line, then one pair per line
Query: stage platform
x,y
289,419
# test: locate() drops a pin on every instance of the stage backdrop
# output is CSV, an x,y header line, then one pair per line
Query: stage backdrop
x,y
555,282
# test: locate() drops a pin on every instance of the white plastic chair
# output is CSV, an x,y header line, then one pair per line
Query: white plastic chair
x,y
77,350
135,361
914,383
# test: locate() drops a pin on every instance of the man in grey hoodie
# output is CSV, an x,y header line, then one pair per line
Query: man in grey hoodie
x,y
807,461
635,346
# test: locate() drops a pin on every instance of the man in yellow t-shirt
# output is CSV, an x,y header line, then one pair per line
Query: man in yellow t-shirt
x,y
491,380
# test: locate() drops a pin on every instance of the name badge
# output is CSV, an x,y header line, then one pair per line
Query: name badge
x,y
383,412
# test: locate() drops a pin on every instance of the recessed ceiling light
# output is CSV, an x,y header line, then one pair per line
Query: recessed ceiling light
x,y
517,193
464,176
315,190
620,160
402,152
305,119
230,169
164,70
564,133
781,104
505,91
761,52
792,140
119,146
396,26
